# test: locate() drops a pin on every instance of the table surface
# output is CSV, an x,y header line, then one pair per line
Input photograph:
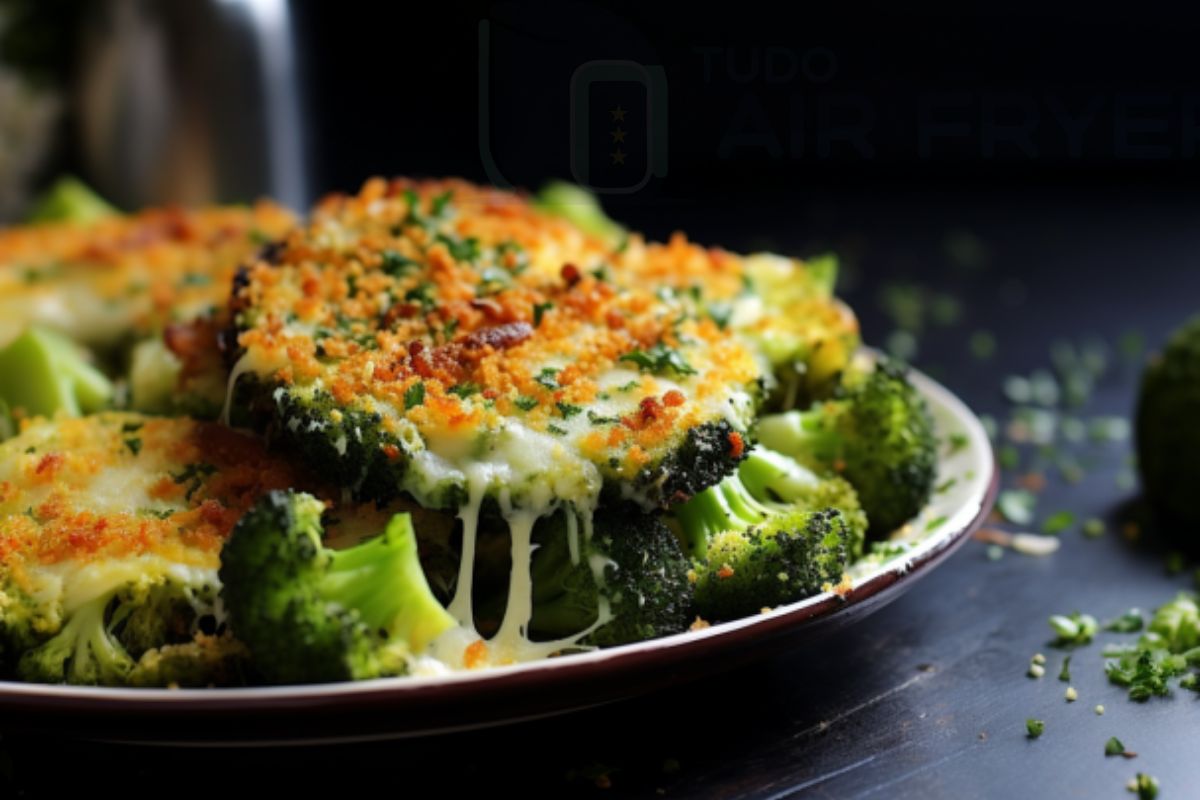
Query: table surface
x,y
928,697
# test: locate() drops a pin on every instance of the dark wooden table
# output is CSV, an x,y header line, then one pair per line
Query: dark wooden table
x,y
929,697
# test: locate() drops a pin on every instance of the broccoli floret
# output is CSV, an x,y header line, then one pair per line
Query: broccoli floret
x,y
877,433
43,373
70,200
310,614
645,579
773,533
581,208
708,453
100,641
1168,432
206,660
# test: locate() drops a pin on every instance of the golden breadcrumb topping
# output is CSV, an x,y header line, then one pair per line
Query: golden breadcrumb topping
x,y
453,308
100,280
117,485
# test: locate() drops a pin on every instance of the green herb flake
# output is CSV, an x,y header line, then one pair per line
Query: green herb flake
x,y
1009,457
525,402
1034,728
598,419
1058,522
956,442
659,359
539,311
936,523
414,395
1064,674
548,378
556,430
568,410
945,486
1129,622
720,314
394,264
134,444
1093,528
1114,747
439,202
465,389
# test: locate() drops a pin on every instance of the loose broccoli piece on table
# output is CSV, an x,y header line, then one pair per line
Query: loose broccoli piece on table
x,y
310,614
644,579
1168,432
877,433
773,533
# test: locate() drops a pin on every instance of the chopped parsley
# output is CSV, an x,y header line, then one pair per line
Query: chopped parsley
x,y
659,359
936,523
525,402
414,395
395,264
720,314
1034,728
134,444
568,410
465,389
1129,622
193,476
556,430
539,311
439,202
945,486
548,378
1064,674
1114,747
598,419
1058,522
956,442
460,249
422,295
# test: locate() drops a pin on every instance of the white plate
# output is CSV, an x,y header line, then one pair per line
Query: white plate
x,y
399,707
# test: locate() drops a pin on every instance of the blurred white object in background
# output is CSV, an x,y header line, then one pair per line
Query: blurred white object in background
x,y
191,101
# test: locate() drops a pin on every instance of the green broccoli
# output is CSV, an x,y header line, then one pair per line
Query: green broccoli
x,y
581,208
1168,432
772,533
43,373
70,200
309,614
644,579
877,432
110,637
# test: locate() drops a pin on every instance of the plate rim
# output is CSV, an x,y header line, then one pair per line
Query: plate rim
x,y
90,700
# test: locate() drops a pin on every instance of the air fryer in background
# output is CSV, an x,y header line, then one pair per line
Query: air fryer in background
x,y
190,101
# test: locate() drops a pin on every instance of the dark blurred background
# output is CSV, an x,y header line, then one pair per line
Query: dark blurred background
x,y
757,105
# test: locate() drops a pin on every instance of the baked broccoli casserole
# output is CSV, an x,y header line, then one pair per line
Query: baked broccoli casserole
x,y
427,427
